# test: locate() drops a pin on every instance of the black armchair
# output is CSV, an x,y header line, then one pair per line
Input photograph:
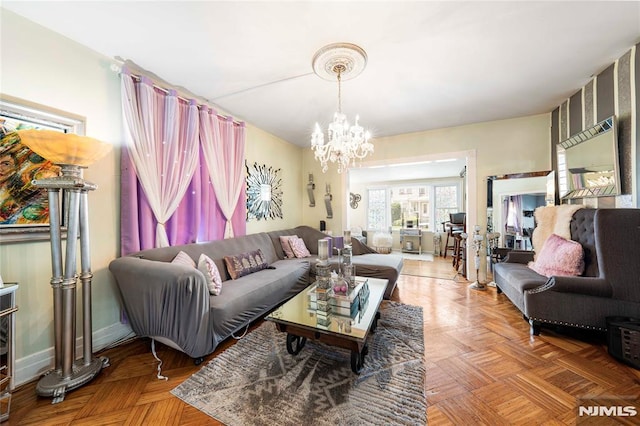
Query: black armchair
x,y
609,286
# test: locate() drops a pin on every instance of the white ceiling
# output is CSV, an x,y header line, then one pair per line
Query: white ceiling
x,y
431,64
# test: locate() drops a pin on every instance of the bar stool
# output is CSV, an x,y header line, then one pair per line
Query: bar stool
x,y
460,252
457,223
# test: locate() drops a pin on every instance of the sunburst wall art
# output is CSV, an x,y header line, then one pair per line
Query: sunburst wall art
x,y
264,192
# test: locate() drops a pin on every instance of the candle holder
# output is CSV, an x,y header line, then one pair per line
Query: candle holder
x,y
323,276
338,246
476,242
347,238
323,251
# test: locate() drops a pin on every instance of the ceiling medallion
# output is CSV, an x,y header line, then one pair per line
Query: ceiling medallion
x,y
340,61
351,59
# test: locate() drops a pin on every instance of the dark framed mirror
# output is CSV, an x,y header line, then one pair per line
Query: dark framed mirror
x,y
511,201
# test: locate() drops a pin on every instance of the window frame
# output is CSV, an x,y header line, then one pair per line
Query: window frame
x,y
431,185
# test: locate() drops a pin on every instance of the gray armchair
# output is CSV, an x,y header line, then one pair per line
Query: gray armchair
x,y
609,286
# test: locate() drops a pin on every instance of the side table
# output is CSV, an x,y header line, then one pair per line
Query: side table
x,y
8,309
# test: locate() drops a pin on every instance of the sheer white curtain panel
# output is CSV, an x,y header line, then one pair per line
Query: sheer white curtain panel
x,y
223,147
162,139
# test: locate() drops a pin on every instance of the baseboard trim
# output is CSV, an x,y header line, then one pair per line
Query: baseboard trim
x,y
32,366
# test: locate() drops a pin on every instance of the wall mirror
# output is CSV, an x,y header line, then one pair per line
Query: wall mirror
x,y
264,192
588,162
511,201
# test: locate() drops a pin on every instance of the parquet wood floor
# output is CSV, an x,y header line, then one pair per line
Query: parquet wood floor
x,y
482,367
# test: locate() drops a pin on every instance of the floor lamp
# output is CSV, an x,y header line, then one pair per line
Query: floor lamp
x,y
72,153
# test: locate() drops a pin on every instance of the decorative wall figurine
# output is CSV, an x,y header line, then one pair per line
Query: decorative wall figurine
x,y
327,201
310,187
354,199
264,192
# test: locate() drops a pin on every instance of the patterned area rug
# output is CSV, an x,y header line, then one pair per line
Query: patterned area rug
x,y
256,382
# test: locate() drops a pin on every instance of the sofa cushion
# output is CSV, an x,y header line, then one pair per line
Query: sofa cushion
x,y
243,264
298,247
358,247
183,258
210,271
559,256
286,247
514,278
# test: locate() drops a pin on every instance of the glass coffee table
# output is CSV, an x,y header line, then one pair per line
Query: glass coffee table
x,y
300,319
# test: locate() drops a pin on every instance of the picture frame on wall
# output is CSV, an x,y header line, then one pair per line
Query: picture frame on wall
x,y
24,208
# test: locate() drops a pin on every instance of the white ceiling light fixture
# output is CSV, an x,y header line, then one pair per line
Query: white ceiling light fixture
x,y
341,61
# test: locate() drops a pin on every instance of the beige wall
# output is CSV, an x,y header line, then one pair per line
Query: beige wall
x,y
264,148
498,147
45,68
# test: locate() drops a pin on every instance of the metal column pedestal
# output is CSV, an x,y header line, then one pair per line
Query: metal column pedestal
x,y
69,373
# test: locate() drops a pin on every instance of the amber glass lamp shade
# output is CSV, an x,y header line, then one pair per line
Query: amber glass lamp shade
x,y
64,148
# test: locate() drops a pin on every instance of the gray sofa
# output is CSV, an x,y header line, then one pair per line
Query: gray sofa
x,y
609,286
171,303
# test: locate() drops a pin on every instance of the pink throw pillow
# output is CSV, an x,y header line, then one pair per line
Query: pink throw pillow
x,y
559,256
286,247
298,247
210,271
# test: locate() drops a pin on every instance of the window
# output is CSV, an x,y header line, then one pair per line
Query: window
x,y
420,205
446,200
377,209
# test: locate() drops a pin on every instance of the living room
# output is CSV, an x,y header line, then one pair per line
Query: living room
x,y
44,68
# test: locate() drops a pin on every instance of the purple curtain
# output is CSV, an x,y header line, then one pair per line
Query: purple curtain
x,y
517,204
505,216
198,216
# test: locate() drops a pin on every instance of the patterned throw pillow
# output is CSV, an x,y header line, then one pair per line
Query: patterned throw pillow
x,y
183,258
245,263
298,247
210,271
286,247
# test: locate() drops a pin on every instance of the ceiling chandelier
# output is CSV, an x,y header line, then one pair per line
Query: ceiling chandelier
x,y
345,144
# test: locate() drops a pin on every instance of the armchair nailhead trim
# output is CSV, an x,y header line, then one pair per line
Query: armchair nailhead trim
x,y
586,327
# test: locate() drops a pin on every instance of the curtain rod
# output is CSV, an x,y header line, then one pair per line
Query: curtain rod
x,y
117,67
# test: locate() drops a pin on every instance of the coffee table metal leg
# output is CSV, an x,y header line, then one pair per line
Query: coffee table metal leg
x,y
375,322
357,359
295,344
356,362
